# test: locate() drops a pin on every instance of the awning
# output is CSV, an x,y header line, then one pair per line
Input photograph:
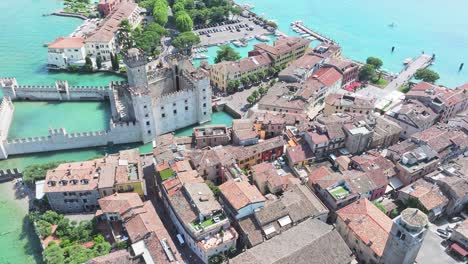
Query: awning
x,y
40,189
459,249
269,230
395,183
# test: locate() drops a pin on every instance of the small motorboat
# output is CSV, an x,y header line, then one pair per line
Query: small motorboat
x,y
407,61
392,24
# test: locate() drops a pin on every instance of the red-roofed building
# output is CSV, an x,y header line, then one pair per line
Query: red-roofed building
x,y
223,72
105,7
365,229
444,101
375,238
240,198
142,226
66,51
284,50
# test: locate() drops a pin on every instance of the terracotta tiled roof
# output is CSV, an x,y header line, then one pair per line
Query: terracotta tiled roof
x,y
327,76
299,153
319,173
240,194
283,45
116,257
67,43
120,202
368,223
106,32
318,138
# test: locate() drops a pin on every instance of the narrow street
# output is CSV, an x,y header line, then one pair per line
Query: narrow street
x,y
153,195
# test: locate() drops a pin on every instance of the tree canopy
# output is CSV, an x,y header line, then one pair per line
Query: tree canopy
x,y
185,41
426,75
376,62
160,14
226,53
36,172
183,21
367,72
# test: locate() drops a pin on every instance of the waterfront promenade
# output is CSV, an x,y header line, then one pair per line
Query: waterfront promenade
x,y
406,74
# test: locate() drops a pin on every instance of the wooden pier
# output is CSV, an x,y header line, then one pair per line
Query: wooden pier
x,y
314,34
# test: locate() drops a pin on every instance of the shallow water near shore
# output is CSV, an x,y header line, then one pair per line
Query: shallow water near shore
x,y
362,28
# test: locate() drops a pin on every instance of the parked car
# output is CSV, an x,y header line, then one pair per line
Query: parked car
x,y
442,231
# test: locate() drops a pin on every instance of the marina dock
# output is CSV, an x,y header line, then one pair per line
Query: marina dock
x,y
406,74
311,32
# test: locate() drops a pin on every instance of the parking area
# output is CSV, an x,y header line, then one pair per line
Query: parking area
x,y
231,30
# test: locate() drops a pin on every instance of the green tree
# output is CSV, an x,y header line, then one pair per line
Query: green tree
x,y
226,53
213,187
218,14
160,12
262,90
98,62
245,81
270,71
231,86
185,41
376,62
380,206
36,172
154,27
251,99
367,72
124,35
236,11
261,74
177,7
183,22
426,75
114,62
53,254
255,94
253,78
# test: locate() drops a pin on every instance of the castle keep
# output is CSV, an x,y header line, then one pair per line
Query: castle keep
x,y
154,101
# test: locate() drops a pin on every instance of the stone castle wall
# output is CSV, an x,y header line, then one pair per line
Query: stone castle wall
x,y
61,91
6,116
59,139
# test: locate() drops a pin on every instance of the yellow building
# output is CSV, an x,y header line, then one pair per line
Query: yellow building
x,y
263,56
226,71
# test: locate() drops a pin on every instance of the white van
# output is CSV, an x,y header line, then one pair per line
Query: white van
x,y
181,239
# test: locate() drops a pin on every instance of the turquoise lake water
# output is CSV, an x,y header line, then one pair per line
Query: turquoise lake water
x,y
361,27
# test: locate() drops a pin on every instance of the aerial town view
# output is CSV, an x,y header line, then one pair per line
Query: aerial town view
x,y
233,131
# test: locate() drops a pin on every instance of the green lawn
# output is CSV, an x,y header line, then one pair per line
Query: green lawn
x,y
208,222
379,82
339,191
166,174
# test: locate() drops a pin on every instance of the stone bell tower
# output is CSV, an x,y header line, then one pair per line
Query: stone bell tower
x,y
406,237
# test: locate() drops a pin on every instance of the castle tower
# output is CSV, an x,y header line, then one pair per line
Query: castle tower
x,y
135,62
406,237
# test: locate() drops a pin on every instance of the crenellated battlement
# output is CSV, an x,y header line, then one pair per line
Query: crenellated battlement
x,y
135,58
8,82
181,93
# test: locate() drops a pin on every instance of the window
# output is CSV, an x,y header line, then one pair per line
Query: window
x,y
147,123
145,106
173,104
149,131
146,115
163,115
204,105
185,101
175,112
204,113
186,108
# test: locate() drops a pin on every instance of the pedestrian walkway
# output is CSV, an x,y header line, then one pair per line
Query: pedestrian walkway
x,y
405,75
